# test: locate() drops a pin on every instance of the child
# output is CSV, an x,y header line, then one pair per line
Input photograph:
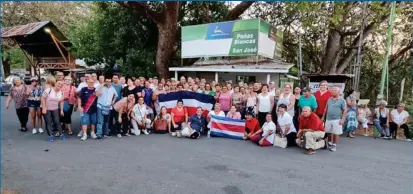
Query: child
x,y
363,117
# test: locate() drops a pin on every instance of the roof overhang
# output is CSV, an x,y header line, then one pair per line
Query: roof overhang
x,y
244,70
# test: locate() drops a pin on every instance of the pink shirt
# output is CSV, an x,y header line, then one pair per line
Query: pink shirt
x,y
236,115
225,101
52,98
69,93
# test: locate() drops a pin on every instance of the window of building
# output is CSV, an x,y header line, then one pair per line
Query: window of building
x,y
245,78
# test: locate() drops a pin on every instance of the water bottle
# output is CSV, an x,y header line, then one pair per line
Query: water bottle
x,y
209,134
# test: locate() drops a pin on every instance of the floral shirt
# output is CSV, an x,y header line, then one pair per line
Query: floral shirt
x,y
20,96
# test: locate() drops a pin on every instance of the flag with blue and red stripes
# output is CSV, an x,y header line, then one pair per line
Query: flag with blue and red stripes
x,y
227,127
191,101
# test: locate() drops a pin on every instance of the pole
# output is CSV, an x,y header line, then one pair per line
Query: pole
x,y
300,60
388,43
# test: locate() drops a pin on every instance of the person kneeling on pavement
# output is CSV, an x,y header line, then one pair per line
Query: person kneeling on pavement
x,y
311,129
139,118
196,124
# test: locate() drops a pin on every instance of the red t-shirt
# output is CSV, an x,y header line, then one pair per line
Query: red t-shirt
x,y
311,122
179,115
321,101
253,125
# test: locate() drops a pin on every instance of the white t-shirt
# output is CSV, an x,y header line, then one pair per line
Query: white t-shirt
x,y
84,84
267,127
264,103
139,111
399,117
284,120
220,114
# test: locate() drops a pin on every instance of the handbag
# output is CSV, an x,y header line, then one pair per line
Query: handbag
x,y
280,141
105,109
160,124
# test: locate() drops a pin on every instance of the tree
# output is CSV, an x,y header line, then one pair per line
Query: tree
x,y
166,17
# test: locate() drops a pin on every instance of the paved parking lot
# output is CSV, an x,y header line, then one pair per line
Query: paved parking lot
x,y
163,164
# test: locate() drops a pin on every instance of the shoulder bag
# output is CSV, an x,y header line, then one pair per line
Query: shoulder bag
x,y
160,124
280,141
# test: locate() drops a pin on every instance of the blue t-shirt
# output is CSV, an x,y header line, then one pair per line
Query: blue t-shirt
x,y
310,102
148,97
335,108
89,100
197,123
118,88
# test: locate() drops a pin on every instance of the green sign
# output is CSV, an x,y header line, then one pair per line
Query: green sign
x,y
244,43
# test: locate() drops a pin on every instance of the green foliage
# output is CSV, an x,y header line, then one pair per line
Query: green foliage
x,y
15,58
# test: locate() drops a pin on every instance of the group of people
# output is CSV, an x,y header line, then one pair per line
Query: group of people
x,y
119,106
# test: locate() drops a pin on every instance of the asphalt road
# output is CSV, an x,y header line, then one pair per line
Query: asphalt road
x,y
163,164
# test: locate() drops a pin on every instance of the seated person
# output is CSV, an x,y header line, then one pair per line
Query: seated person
x,y
166,118
265,135
179,116
139,118
399,118
381,120
286,124
196,124
313,131
216,112
252,126
233,113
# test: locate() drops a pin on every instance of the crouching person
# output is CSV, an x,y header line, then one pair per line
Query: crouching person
x,y
312,132
252,128
196,124
139,118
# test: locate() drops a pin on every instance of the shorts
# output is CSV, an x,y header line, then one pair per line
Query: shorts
x,y
33,104
334,127
88,119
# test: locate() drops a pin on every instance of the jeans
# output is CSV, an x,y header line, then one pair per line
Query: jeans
x,y
23,115
102,124
380,127
53,121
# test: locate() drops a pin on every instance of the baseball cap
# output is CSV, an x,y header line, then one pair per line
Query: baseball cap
x,y
33,79
306,89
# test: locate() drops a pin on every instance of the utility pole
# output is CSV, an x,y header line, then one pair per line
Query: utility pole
x,y
300,60
388,43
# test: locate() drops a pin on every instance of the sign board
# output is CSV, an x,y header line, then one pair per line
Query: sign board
x,y
315,86
233,38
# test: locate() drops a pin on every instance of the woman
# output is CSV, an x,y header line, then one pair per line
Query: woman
x,y
208,90
179,116
363,119
18,92
251,101
139,119
224,98
265,135
286,124
351,123
201,88
69,100
33,102
216,112
165,117
233,113
238,99
130,89
297,95
122,81
265,104
274,112
381,120
287,98
124,108
51,99
399,119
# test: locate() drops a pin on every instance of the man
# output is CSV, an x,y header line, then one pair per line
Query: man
x,y
312,129
60,76
307,99
271,88
335,115
107,96
257,88
252,126
85,83
154,83
147,93
182,80
322,97
118,87
196,124
101,80
399,118
87,103
95,78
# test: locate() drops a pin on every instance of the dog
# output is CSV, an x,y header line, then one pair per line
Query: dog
x,y
400,134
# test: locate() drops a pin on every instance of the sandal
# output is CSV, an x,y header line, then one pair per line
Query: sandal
x,y
70,133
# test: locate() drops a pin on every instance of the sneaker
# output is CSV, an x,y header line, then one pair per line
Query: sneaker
x,y
178,134
84,137
136,132
41,130
51,139
385,137
93,135
310,152
34,131
145,131
63,137
408,140
106,136
366,134
80,134
333,148
128,134
119,135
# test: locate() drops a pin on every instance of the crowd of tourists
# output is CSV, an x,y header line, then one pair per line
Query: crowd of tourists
x,y
120,106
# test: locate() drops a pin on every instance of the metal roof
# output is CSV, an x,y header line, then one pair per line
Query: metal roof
x,y
22,30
